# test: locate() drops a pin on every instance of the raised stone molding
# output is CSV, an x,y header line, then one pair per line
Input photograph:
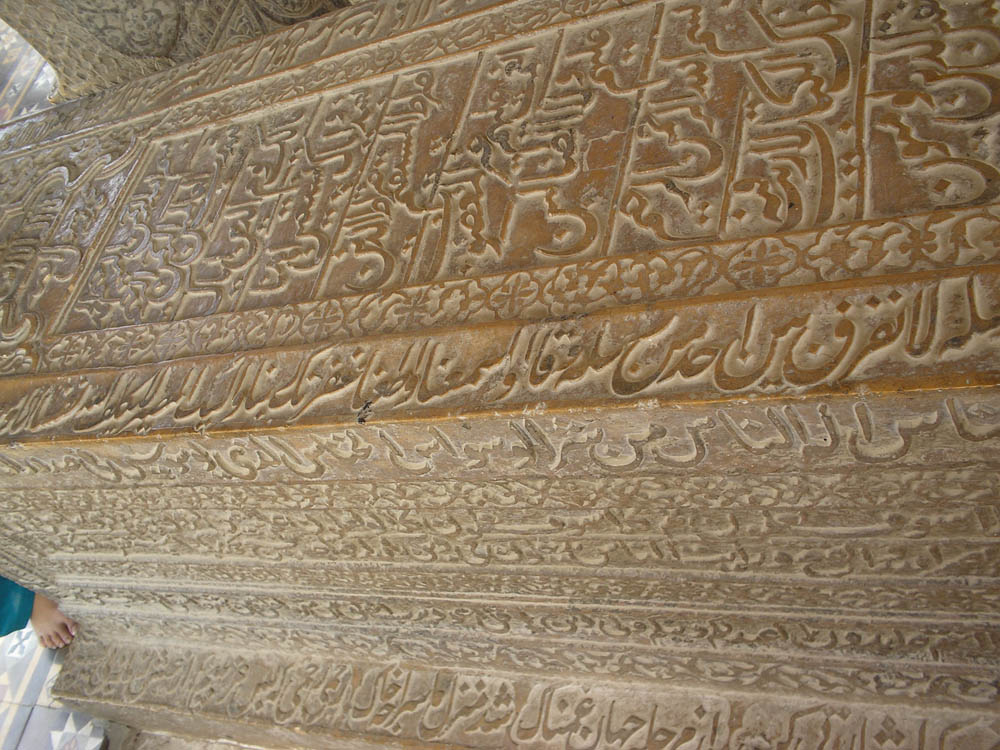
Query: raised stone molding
x,y
575,374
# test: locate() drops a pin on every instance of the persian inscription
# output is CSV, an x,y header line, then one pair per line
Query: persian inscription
x,y
572,374
754,346
650,128
477,710
812,435
937,241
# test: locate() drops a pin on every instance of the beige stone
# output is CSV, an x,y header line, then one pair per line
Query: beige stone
x,y
566,374
98,44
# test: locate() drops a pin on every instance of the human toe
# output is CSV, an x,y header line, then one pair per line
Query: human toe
x,y
63,633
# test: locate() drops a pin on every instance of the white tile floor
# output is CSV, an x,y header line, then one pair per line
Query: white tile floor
x,y
30,718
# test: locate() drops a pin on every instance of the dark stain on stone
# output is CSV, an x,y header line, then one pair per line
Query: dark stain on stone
x,y
365,412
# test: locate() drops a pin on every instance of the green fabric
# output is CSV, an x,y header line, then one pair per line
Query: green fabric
x,y
15,606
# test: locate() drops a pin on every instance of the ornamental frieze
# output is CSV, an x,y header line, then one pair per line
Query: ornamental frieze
x,y
514,374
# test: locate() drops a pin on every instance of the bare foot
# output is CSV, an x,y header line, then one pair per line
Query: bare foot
x,y
54,629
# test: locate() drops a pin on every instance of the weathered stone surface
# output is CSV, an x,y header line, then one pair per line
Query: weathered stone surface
x,y
156,741
521,374
315,703
97,44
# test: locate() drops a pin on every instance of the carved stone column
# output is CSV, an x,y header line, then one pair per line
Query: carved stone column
x,y
521,374
97,44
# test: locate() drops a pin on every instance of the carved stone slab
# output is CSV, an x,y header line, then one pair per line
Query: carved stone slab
x,y
564,374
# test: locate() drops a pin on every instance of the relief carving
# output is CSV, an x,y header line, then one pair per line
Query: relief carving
x,y
565,374
476,710
98,44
